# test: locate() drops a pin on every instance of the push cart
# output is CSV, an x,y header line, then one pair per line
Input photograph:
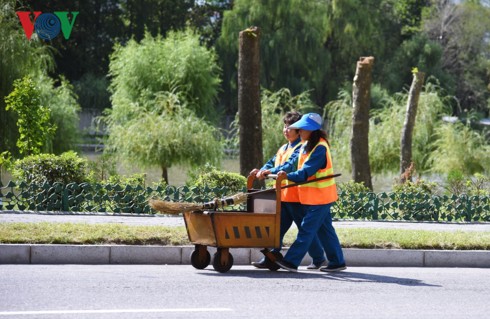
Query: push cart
x,y
256,227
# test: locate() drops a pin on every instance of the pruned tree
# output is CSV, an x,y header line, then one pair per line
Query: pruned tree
x,y
408,125
359,144
249,113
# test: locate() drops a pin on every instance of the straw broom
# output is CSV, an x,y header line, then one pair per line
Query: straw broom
x,y
176,208
180,207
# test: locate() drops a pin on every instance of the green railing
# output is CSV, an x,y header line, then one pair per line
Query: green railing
x,y
115,198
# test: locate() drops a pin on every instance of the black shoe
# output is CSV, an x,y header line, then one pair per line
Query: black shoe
x,y
260,264
332,268
286,265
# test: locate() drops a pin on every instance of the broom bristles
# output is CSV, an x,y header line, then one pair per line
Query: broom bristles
x,y
176,208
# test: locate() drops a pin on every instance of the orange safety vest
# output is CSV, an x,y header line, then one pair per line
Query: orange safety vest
x,y
321,192
283,154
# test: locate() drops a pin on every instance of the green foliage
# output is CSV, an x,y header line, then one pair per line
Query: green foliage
x,y
339,115
65,168
410,13
286,27
211,177
274,105
163,134
163,91
5,162
386,122
419,186
178,64
102,168
64,108
18,58
32,117
459,148
458,184
351,187
92,91
461,30
417,51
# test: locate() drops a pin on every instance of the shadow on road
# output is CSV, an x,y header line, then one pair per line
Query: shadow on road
x,y
340,276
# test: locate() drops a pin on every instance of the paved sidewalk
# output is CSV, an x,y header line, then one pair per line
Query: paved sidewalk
x,y
125,254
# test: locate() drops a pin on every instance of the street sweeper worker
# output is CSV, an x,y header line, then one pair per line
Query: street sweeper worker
x,y
291,209
313,161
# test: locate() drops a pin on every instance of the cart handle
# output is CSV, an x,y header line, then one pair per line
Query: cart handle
x,y
295,184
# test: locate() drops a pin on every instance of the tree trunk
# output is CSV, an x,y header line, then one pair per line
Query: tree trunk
x,y
408,125
165,174
359,144
249,112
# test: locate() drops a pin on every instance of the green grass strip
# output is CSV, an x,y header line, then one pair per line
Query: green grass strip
x,y
90,234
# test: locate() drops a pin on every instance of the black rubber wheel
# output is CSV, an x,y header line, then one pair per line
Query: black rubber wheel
x,y
272,266
222,267
200,262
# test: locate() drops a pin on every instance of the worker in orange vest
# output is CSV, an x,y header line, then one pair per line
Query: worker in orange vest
x,y
313,161
291,209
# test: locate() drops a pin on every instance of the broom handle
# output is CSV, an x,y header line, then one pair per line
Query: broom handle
x,y
295,184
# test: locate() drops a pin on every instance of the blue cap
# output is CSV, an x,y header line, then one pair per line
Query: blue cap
x,y
308,122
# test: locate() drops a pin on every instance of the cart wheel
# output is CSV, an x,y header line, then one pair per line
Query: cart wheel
x,y
222,267
200,262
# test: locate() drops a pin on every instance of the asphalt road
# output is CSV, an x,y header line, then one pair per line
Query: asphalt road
x,y
143,291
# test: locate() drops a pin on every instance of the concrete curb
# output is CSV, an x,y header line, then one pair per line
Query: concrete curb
x,y
180,255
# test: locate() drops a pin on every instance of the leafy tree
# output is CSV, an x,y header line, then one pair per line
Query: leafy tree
x,y
157,17
461,29
164,132
274,106
418,51
357,29
292,53
409,14
163,92
18,58
176,64
97,27
64,108
459,148
33,118
386,123
207,17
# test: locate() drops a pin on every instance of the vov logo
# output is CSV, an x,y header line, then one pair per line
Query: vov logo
x,y
47,25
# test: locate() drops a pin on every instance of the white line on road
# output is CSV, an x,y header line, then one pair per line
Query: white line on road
x,y
64,312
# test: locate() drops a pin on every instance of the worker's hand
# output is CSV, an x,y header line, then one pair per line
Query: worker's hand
x,y
253,172
263,174
282,174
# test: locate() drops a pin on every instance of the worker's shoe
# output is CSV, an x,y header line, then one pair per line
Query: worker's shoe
x,y
286,265
314,266
332,268
260,264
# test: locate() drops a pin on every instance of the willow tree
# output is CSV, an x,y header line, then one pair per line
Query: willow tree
x,y
18,57
163,133
292,54
163,95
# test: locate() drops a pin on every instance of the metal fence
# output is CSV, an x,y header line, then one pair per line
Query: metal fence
x,y
118,198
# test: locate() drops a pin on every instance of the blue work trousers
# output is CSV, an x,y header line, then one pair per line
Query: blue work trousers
x,y
316,223
294,212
